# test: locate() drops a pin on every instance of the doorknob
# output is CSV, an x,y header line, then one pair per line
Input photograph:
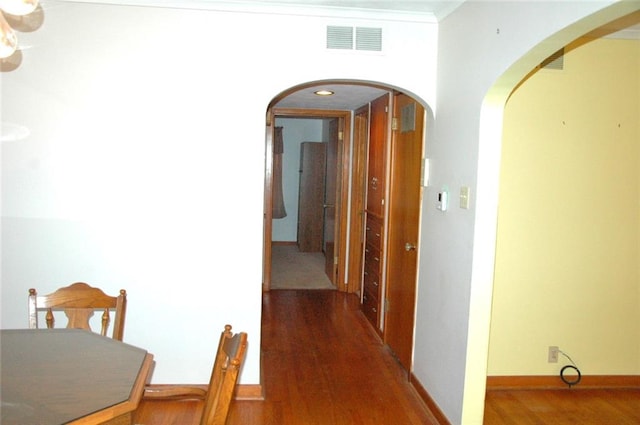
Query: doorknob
x,y
409,247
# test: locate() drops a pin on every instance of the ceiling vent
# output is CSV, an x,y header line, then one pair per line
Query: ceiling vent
x,y
368,39
555,61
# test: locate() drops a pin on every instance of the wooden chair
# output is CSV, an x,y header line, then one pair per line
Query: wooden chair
x,y
224,376
79,301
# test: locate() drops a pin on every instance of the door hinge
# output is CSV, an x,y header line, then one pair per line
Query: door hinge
x,y
341,135
335,260
394,123
386,305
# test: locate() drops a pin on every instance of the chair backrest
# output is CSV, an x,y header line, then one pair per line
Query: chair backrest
x,y
224,376
79,301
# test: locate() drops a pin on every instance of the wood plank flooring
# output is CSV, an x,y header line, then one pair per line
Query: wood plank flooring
x,y
324,365
560,407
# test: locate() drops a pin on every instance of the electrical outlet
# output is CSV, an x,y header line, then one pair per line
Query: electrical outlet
x,y
553,354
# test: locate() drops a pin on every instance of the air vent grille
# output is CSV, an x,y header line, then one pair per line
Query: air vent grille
x,y
339,37
367,39
408,118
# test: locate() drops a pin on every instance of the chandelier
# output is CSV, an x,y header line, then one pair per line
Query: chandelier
x,y
8,37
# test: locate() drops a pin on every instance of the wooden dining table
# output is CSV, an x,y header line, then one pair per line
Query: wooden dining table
x,y
69,376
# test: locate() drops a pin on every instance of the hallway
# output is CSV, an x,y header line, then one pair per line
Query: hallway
x,y
293,269
323,364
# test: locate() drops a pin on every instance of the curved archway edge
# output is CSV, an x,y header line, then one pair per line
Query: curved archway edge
x,y
377,89
490,141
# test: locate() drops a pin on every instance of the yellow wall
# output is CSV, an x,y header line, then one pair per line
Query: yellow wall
x,y
568,251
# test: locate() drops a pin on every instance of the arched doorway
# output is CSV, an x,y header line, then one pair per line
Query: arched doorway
x,y
494,106
392,117
301,102
582,146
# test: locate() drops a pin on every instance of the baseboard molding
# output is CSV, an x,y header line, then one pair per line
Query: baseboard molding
x,y
249,392
496,383
243,391
426,398
284,243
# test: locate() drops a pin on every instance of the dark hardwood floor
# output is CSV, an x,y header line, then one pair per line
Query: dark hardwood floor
x,y
323,364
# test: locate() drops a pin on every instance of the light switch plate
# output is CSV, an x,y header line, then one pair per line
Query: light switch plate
x,y
425,172
464,197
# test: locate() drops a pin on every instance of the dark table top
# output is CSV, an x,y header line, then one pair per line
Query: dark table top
x,y
56,376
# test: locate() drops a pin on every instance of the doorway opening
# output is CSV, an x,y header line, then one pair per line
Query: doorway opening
x,y
365,197
306,156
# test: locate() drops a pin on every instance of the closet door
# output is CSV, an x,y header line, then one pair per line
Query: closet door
x,y
374,249
376,170
358,198
311,196
403,226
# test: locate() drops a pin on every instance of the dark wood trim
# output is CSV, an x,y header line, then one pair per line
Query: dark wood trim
x,y
544,382
268,204
360,142
344,164
426,398
310,113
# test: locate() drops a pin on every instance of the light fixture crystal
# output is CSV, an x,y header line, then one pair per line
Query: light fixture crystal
x,y
18,7
8,38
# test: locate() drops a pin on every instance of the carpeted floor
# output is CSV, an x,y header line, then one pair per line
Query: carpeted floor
x,y
292,269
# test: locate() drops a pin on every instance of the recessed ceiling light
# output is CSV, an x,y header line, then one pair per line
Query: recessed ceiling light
x,y
323,92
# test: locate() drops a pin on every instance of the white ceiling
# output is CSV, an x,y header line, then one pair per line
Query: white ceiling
x,y
437,9
424,9
345,97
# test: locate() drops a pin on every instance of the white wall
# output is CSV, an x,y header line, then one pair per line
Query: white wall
x,y
144,168
294,132
485,48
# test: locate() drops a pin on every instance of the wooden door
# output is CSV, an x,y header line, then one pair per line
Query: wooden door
x,y
376,194
403,223
377,162
311,196
358,194
331,199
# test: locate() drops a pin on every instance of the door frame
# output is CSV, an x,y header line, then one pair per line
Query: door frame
x,y
359,156
343,168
